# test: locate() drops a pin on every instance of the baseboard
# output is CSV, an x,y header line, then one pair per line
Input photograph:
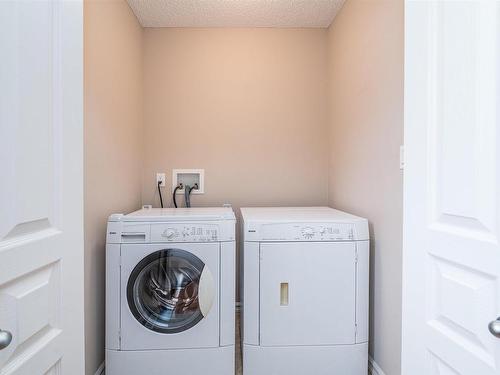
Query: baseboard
x,y
374,368
100,370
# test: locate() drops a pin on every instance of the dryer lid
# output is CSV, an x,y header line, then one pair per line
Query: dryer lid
x,y
302,224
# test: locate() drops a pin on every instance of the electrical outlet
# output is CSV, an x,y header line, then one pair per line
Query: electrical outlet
x,y
160,177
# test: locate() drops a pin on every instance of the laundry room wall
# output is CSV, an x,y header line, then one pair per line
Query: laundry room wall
x,y
113,145
366,60
247,105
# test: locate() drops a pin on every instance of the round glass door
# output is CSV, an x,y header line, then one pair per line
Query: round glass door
x,y
163,291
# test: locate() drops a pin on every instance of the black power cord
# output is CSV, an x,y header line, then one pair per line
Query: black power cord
x,y
195,187
173,195
159,193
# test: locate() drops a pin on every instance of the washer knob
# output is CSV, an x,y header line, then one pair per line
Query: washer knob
x,y
169,233
308,232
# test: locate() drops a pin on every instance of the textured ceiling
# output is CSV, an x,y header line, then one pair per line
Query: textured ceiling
x,y
235,13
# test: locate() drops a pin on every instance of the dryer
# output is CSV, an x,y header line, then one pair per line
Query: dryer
x,y
170,276
304,291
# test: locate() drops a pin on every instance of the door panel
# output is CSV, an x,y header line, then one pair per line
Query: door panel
x,y
307,293
203,333
451,250
41,197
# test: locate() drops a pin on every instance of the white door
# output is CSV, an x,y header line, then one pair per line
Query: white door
x,y
307,293
41,182
451,288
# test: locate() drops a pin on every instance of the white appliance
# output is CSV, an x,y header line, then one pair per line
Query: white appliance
x,y
170,292
305,292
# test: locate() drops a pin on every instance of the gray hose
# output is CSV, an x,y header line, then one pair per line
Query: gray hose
x,y
187,192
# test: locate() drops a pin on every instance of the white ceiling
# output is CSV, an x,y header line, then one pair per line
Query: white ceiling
x,y
235,13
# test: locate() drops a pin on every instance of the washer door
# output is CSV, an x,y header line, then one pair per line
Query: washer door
x,y
170,291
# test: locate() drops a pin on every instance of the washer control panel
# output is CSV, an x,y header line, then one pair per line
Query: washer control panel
x,y
307,232
189,232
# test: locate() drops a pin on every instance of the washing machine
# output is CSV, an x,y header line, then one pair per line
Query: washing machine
x,y
170,292
304,291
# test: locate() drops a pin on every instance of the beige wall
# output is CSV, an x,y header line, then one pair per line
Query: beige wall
x,y
113,145
247,105
366,130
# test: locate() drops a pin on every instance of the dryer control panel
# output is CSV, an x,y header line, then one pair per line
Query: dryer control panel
x,y
303,232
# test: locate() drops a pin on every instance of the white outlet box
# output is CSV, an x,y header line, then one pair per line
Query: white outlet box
x,y
160,177
189,177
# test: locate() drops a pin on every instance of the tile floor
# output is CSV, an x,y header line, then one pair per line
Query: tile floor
x,y
237,351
